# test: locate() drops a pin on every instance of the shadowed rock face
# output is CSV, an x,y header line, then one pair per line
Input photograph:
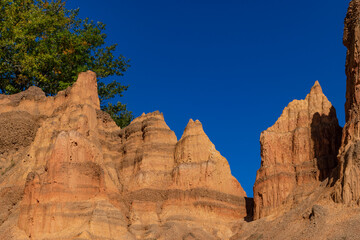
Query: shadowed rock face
x,y
68,172
297,153
348,187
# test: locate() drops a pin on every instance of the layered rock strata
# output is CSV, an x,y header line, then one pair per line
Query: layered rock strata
x,y
68,172
348,187
297,153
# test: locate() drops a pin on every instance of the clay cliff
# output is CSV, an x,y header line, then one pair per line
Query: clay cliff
x,y
297,153
68,172
348,186
308,184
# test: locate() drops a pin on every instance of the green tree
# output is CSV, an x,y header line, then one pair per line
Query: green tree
x,y
44,44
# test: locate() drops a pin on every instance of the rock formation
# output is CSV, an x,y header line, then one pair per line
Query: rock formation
x,y
68,172
197,163
348,187
297,153
305,147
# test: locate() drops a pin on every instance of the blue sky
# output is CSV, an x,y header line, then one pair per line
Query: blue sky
x,y
234,65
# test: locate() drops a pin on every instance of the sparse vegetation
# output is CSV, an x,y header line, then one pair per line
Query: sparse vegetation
x,y
44,44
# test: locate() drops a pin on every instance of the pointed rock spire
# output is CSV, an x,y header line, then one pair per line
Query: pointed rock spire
x,y
194,145
84,90
199,164
317,102
297,152
193,128
316,88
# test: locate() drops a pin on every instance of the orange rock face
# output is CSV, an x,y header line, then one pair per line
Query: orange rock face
x,y
348,186
197,163
68,172
297,153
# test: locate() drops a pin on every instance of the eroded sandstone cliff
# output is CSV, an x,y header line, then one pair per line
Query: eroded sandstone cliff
x,y
308,161
348,187
68,172
297,153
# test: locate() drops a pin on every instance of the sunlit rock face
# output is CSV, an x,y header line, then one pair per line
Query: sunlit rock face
x,y
297,153
68,172
305,147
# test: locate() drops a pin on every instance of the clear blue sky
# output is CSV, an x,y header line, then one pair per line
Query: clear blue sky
x,y
234,65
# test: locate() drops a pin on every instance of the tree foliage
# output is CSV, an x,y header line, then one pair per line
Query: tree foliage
x,y
44,44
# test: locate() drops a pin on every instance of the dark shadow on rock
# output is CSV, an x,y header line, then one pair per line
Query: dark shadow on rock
x,y
326,135
249,202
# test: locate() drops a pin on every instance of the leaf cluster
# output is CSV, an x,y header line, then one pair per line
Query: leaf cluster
x,y
44,44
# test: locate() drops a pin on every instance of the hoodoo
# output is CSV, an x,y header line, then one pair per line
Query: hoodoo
x,y
297,153
68,172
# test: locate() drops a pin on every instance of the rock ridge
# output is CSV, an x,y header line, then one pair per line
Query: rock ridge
x,y
68,172
75,175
